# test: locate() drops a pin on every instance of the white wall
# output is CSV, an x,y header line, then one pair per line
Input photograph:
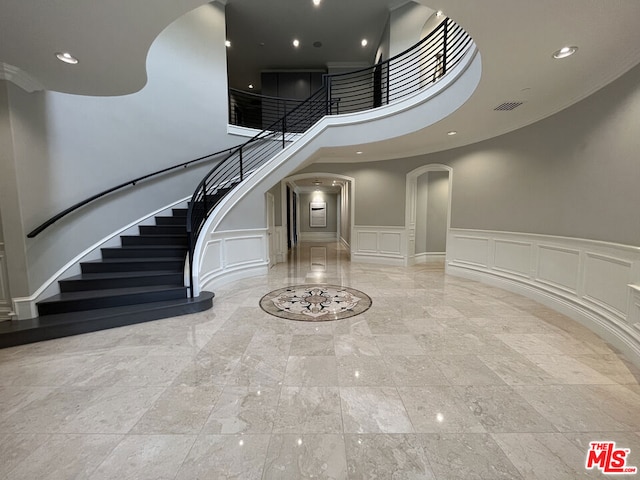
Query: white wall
x,y
69,147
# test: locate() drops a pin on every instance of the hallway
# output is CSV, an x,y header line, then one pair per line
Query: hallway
x,y
441,378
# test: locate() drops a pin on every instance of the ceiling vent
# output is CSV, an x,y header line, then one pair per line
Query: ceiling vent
x,y
506,106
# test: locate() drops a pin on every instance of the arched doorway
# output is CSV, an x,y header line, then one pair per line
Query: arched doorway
x,y
428,213
291,208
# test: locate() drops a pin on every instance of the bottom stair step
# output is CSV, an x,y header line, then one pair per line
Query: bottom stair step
x,y
114,297
21,332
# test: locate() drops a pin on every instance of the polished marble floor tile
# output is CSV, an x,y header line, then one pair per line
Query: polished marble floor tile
x,y
466,370
243,410
363,371
145,457
238,457
517,370
374,410
312,345
308,410
441,378
292,457
439,409
467,455
501,409
65,456
316,371
179,410
350,344
386,456
414,370
543,456
16,447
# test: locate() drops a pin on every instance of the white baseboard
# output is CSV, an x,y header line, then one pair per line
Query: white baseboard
x,y
377,259
430,257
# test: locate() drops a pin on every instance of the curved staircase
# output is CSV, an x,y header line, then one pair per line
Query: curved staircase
x,y
141,280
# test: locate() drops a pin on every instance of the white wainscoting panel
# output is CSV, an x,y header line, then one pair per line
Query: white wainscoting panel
x,y
212,258
558,267
513,257
233,255
470,249
367,241
595,283
605,282
382,245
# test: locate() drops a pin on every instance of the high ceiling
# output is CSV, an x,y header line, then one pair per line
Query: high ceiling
x,y
261,35
515,38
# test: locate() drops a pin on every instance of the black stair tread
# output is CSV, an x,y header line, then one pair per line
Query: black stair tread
x,y
172,235
136,260
113,275
65,324
144,247
111,292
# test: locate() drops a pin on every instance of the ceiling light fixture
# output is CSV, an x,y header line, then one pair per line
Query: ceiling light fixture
x,y
358,153
296,42
227,43
316,2
452,132
364,42
565,52
439,13
66,57
251,85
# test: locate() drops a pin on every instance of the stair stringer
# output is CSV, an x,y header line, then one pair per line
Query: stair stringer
x,y
233,242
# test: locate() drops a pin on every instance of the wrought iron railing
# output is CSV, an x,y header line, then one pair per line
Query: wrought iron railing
x,y
392,80
280,120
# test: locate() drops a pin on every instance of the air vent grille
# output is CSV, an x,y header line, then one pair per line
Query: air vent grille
x,y
506,106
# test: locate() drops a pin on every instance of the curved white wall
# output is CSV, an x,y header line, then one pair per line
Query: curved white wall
x,y
68,147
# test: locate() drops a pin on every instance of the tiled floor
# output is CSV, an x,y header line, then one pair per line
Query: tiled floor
x,y
442,378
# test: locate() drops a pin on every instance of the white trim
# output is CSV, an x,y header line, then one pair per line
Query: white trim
x,y
606,297
429,257
25,307
387,260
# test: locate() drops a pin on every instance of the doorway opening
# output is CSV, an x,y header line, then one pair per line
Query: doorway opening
x,y
428,213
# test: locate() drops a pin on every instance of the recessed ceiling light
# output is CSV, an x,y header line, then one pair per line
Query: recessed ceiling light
x,y
565,52
251,85
364,42
296,42
227,43
358,152
66,57
316,2
439,13
452,132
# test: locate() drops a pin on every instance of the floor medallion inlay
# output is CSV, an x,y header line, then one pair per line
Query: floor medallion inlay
x,y
315,303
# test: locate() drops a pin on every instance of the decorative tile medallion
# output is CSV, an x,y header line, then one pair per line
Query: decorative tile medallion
x,y
315,303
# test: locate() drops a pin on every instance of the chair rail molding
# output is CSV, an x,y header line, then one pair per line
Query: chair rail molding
x,y
595,283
